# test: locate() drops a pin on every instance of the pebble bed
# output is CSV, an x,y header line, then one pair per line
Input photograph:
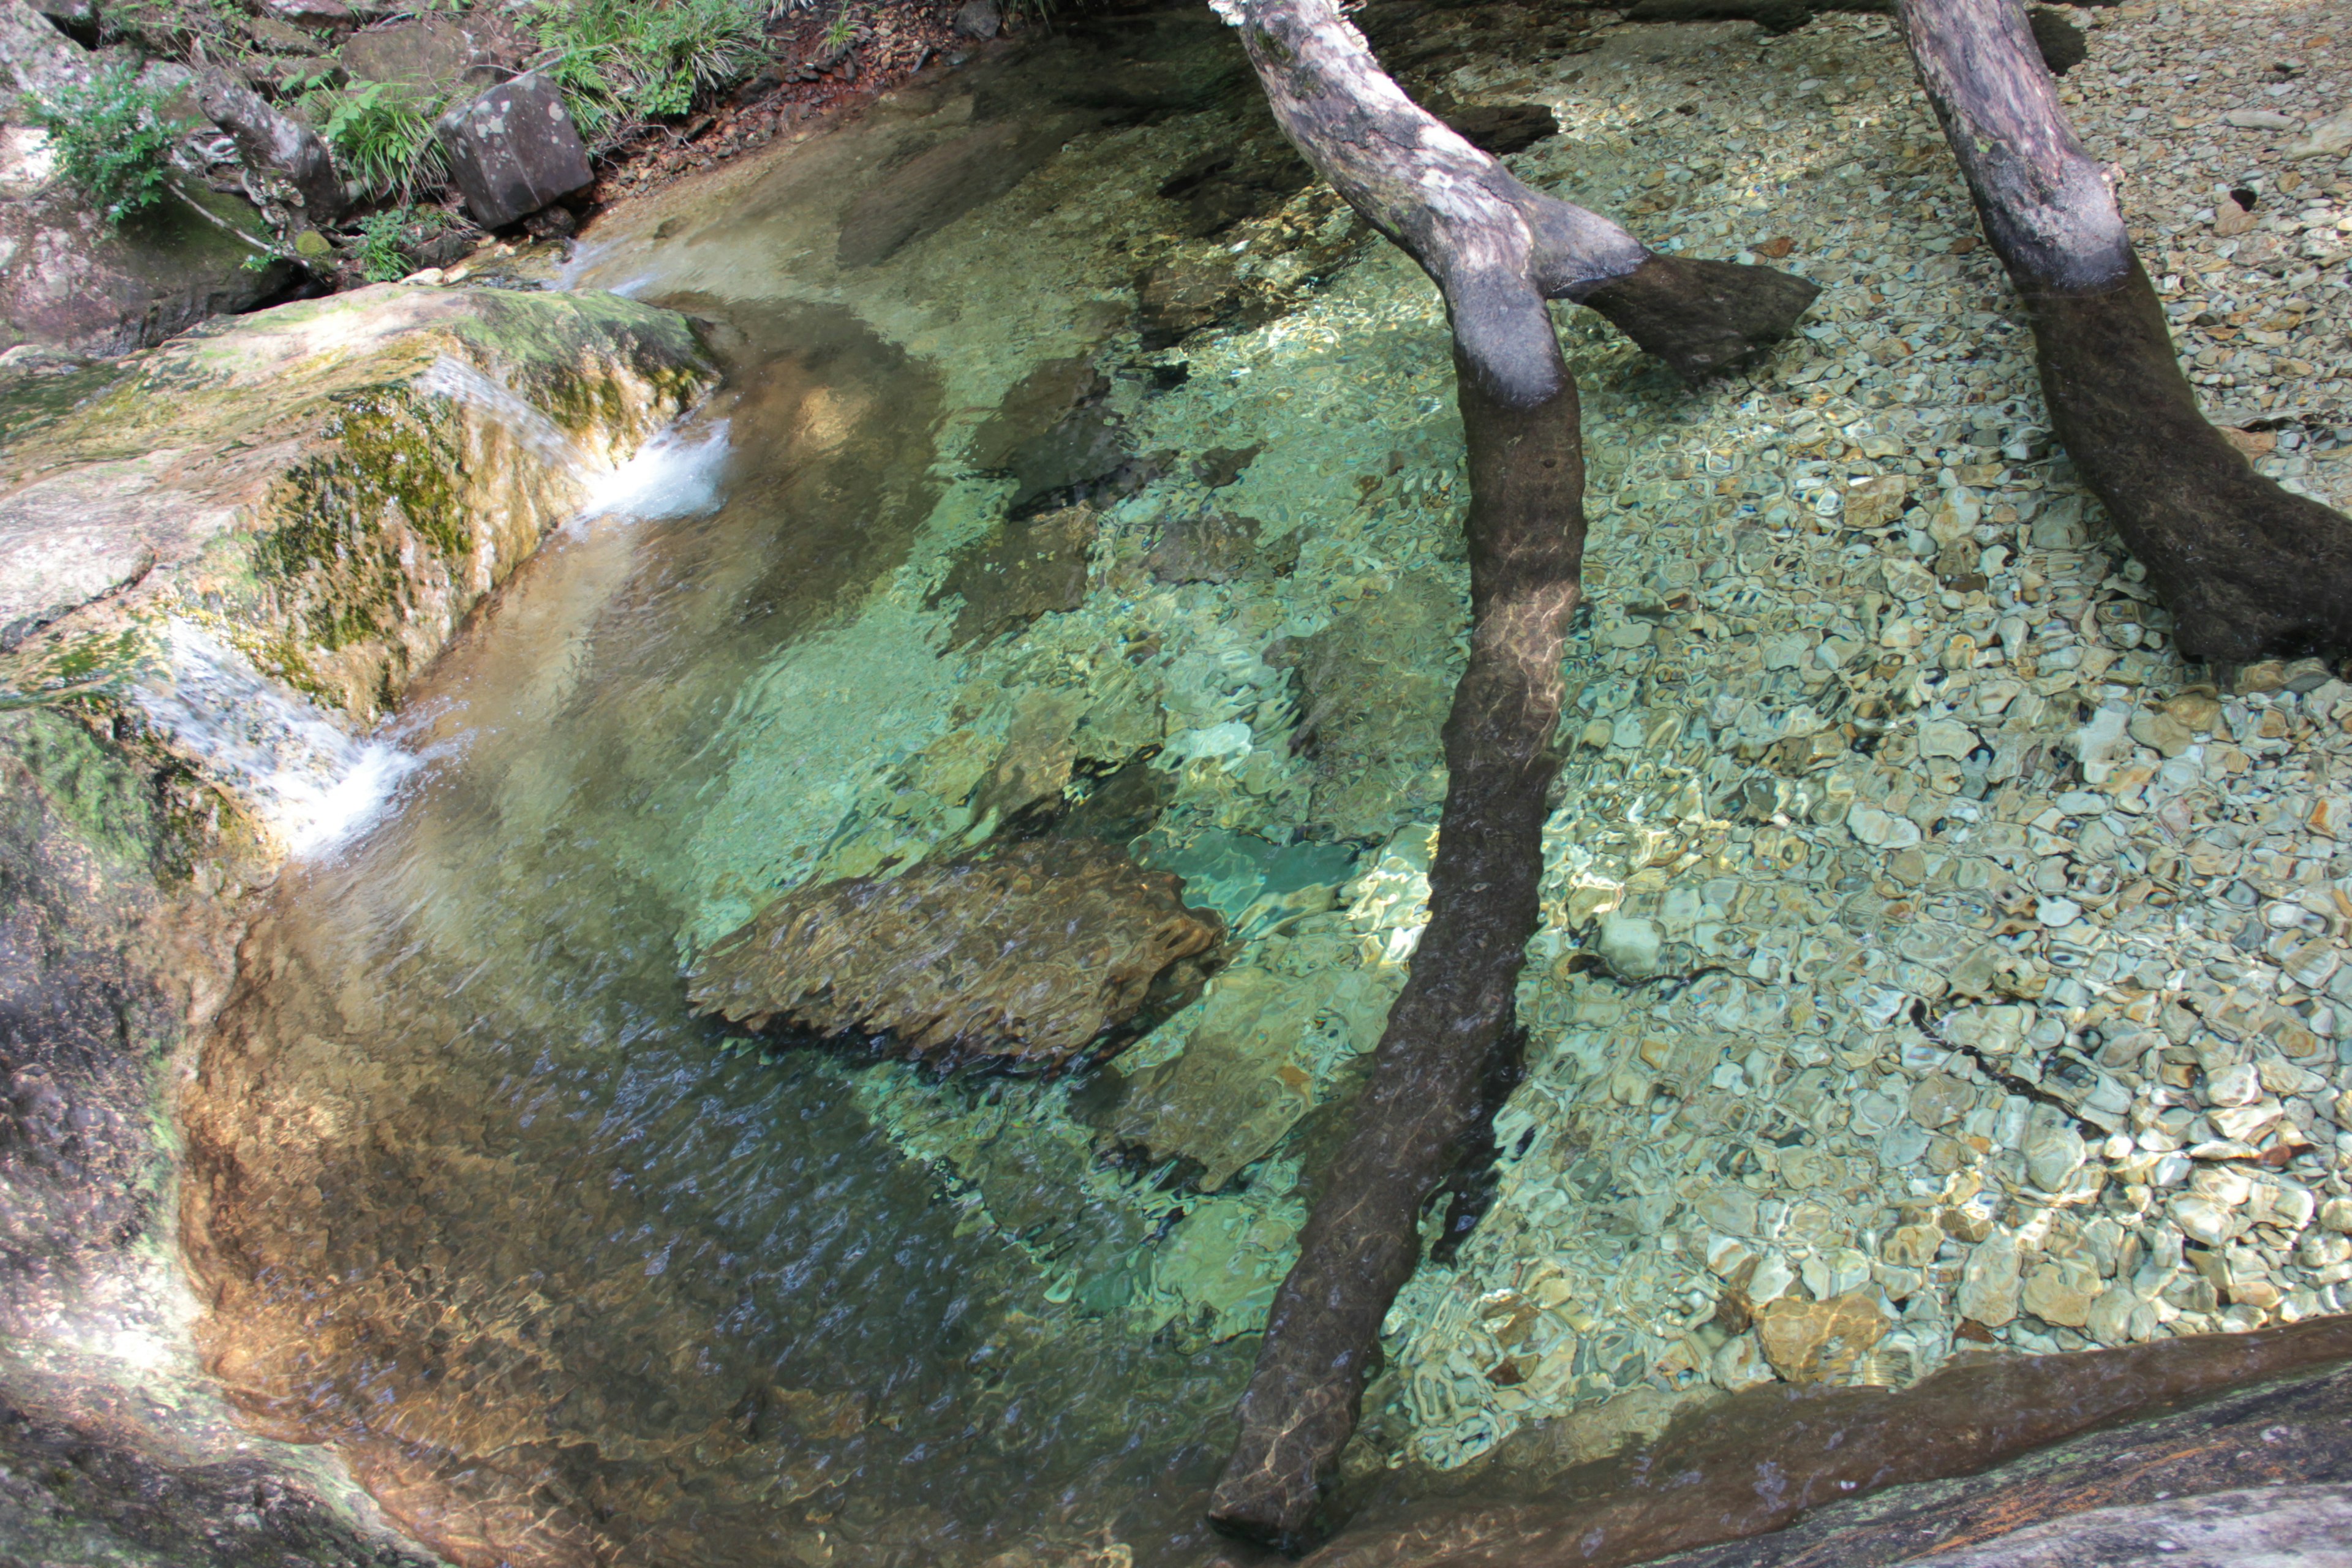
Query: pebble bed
x,y
1972,966
1932,961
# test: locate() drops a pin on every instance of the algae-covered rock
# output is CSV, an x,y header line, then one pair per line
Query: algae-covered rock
x,y
1030,952
1376,684
328,488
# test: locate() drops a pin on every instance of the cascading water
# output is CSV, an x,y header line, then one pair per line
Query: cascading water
x,y
310,781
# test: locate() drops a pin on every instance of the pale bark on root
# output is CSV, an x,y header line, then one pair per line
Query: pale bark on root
x,y
2245,567
1497,251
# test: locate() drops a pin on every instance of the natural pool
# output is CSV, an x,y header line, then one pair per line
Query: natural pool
x,y
568,1276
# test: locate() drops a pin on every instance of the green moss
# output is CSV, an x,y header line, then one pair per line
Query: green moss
x,y
42,678
120,801
332,562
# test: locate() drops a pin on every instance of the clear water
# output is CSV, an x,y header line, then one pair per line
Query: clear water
x,y
565,1275
568,1277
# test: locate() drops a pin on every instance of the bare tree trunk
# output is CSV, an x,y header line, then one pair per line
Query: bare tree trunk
x,y
1496,250
2245,567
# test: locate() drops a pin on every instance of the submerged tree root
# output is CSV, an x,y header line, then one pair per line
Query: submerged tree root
x,y
1754,1463
1526,535
1497,250
2245,567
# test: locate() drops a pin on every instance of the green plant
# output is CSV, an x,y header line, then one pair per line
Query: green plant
x,y
840,31
112,141
381,135
385,236
618,62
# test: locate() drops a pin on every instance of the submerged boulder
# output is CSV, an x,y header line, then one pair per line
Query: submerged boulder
x,y
1030,952
1375,686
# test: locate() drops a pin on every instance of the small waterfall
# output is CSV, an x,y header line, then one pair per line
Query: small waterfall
x,y
673,475
309,779
312,782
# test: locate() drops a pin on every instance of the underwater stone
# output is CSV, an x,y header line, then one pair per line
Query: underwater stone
x,y
1816,1342
1030,952
1236,1089
1020,570
1377,683
1628,945
1215,547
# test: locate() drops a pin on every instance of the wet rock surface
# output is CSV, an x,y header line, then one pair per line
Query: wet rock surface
x,y
1028,954
328,487
80,1495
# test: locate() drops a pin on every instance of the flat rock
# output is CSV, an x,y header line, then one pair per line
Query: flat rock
x,y
1376,685
1028,954
1021,569
1988,1281
1212,547
1237,1088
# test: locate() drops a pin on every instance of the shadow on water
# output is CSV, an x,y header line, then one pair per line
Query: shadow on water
x,y
473,1200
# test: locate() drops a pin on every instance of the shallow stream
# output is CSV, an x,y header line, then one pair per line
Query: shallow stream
x,y
975,539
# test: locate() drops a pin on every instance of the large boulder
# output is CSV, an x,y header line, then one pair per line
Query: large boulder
x,y
514,150
310,500
436,54
68,281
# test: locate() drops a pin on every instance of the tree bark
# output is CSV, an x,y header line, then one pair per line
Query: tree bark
x,y
2246,568
1496,251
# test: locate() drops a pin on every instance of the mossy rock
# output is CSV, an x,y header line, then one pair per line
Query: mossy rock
x,y
328,487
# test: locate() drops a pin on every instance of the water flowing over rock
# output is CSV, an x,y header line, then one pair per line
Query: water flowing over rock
x,y
303,506
1030,954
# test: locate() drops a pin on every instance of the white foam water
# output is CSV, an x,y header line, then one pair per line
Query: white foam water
x,y
461,383
674,475
313,782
